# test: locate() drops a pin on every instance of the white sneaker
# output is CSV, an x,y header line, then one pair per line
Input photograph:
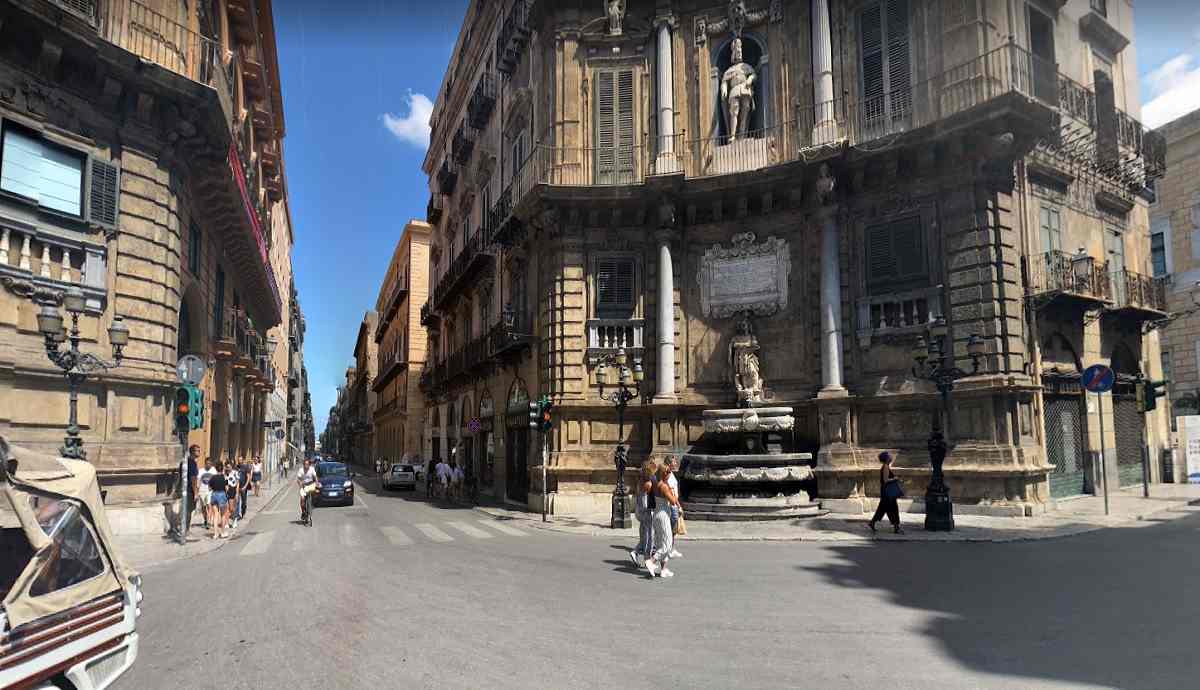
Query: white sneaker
x,y
666,573
652,567
633,556
676,554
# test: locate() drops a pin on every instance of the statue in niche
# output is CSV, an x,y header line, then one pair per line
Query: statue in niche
x,y
615,11
737,93
743,356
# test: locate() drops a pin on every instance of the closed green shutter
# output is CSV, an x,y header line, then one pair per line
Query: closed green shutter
x,y
103,192
614,287
886,66
895,255
614,126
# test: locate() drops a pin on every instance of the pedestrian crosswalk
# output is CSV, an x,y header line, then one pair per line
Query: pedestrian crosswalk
x,y
352,536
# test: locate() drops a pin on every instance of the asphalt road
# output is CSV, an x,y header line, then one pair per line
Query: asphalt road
x,y
396,593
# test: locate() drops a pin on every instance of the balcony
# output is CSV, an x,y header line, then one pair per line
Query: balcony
x,y
514,36
395,297
435,208
156,38
429,317
463,143
890,315
390,364
84,9
447,176
1138,296
511,336
478,355
1056,276
482,103
606,336
472,263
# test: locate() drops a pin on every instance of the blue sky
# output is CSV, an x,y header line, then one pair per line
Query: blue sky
x,y
358,78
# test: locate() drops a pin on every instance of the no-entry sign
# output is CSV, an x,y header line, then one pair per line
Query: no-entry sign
x,y
1098,378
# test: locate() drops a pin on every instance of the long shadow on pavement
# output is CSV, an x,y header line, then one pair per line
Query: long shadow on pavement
x,y
1111,608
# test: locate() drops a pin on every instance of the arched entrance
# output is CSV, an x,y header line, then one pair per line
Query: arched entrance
x,y
516,448
1129,422
466,440
487,441
1063,412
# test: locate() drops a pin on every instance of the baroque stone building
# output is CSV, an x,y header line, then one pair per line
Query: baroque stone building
x,y
142,163
360,403
852,179
400,343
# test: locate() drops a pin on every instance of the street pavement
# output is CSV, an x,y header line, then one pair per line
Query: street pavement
x,y
395,592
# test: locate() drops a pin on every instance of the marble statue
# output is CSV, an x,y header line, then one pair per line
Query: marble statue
x,y
743,356
615,10
737,93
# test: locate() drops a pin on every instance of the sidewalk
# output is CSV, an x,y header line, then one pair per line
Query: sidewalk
x,y
144,550
1070,517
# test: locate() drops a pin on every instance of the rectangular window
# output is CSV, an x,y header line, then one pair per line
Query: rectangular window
x,y
1158,254
896,255
48,174
519,152
614,288
194,249
1051,227
614,118
886,65
1114,248
219,302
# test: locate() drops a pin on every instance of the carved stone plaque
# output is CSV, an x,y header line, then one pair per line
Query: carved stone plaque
x,y
744,277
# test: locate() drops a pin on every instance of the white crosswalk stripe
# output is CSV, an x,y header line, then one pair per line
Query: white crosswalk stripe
x,y
396,536
503,528
469,530
433,532
259,544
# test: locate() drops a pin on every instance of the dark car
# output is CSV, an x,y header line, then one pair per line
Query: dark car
x,y
335,484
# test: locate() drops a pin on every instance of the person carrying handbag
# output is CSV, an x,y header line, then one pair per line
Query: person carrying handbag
x,y
889,493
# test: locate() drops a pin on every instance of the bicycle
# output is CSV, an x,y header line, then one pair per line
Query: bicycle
x,y
307,511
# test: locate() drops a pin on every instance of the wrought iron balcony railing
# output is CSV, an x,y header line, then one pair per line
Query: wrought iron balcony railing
x,y
483,102
1057,273
1138,292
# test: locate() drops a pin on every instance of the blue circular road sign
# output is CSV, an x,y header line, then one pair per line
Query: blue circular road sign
x,y
1098,378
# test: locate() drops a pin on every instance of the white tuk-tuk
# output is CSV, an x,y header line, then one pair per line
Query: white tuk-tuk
x,y
70,604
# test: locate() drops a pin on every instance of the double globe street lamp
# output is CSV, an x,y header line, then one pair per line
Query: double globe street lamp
x,y
76,365
620,398
934,363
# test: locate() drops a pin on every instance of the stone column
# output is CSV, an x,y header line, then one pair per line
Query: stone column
x,y
831,304
664,79
666,318
824,124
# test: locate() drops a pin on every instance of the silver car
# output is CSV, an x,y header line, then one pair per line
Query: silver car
x,y
400,475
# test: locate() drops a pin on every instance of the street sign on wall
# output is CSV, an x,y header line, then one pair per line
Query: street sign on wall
x,y
1098,378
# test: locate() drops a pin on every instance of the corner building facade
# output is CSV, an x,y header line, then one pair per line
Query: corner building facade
x,y
853,177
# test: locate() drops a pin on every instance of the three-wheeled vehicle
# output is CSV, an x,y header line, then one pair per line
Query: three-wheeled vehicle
x,y
70,604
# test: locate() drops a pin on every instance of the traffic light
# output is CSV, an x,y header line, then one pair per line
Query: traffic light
x,y
535,414
546,418
189,408
1149,392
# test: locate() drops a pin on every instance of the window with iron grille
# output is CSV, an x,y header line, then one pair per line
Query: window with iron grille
x,y
1050,224
614,280
896,256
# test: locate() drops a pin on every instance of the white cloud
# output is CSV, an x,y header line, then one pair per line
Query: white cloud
x,y
1174,88
412,128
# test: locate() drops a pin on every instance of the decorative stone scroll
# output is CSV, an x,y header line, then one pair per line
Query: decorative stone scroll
x,y
745,277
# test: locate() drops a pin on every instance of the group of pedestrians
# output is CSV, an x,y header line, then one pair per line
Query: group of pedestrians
x,y
448,478
224,491
659,516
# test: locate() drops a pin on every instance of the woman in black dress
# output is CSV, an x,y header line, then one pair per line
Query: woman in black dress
x,y
889,493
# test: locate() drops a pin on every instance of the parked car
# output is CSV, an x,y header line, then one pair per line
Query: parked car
x,y
70,603
336,483
400,475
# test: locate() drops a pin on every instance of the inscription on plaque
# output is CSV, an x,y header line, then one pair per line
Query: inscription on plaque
x,y
744,277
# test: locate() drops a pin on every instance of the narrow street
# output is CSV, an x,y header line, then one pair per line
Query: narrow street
x,y
395,592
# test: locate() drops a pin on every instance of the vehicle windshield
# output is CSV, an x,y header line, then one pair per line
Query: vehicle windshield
x,y
400,468
331,469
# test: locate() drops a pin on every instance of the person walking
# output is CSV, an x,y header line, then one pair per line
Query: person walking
x,y
676,509
664,541
889,493
443,479
643,510
430,478
205,492
257,475
217,484
245,482
232,482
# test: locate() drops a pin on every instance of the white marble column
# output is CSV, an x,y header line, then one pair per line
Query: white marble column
x,y
831,304
664,79
824,124
666,318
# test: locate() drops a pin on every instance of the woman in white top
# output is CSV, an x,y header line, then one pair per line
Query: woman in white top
x,y
256,475
664,542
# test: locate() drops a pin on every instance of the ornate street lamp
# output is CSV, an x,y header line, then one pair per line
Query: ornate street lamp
x,y
934,363
76,365
620,398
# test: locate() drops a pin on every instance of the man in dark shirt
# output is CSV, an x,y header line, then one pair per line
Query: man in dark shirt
x,y
192,482
244,470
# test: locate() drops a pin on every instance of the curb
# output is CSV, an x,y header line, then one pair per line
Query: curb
x,y
1035,534
212,545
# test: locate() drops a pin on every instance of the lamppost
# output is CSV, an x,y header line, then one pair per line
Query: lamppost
x,y
934,363
76,365
620,398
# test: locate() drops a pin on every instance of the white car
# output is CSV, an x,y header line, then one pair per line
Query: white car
x,y
400,475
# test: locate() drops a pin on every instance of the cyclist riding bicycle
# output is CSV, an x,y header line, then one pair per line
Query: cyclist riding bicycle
x,y
306,479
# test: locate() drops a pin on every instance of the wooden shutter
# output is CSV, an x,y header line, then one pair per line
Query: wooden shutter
x,y
908,247
899,69
103,192
881,262
614,286
625,128
895,253
871,27
615,131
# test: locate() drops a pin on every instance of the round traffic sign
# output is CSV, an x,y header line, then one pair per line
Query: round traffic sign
x,y
190,370
279,435
1098,378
